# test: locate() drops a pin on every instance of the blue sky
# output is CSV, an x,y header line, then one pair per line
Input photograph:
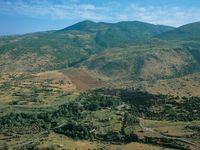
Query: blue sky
x,y
26,16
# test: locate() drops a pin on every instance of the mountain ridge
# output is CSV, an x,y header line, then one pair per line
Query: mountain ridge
x,y
186,32
133,49
58,49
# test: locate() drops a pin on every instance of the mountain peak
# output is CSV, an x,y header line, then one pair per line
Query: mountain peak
x,y
90,26
87,21
86,25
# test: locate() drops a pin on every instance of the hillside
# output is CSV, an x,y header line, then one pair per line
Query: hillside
x,y
187,32
45,51
123,51
88,26
143,63
129,33
168,55
61,49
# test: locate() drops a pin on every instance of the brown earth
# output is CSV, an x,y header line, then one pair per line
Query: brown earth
x,y
82,79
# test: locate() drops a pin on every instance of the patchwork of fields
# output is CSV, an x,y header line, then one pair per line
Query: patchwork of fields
x,y
39,106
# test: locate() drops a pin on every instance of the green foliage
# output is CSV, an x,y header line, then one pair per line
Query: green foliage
x,y
70,110
25,119
88,26
124,33
76,119
76,130
95,101
129,120
156,107
189,32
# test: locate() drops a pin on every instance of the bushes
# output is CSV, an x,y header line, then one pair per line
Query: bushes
x,y
150,106
194,128
94,100
117,137
24,119
94,104
70,110
77,130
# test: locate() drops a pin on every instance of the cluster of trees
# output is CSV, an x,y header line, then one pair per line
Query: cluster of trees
x,y
42,120
129,120
46,120
168,108
118,137
135,97
142,104
95,101
71,110
77,130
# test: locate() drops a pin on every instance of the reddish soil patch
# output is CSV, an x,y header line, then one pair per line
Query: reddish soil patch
x,y
82,79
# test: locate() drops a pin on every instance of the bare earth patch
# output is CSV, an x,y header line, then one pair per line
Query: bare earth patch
x,y
82,79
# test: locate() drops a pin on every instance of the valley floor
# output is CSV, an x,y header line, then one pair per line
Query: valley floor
x,y
38,109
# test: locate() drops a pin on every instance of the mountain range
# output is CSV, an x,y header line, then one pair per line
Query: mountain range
x,y
95,85
128,51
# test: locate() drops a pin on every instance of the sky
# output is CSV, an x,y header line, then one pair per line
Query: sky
x,y
27,16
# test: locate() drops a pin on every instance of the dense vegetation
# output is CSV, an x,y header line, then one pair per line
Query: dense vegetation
x,y
77,130
71,118
186,32
157,107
